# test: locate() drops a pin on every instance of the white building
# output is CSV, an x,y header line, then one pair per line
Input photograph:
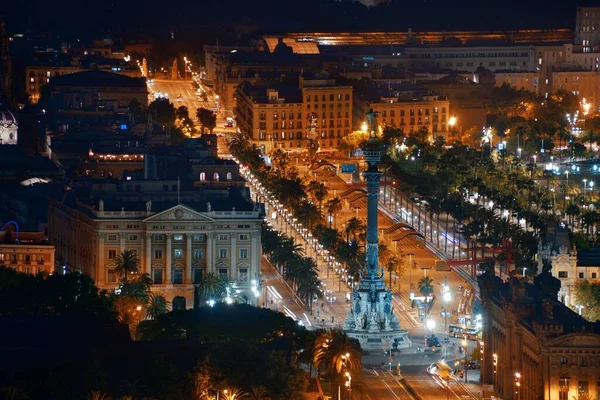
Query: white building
x,y
8,127
176,245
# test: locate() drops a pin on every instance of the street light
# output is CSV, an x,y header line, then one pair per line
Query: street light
x,y
518,385
465,347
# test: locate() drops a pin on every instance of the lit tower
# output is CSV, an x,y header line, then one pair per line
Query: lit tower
x,y
371,319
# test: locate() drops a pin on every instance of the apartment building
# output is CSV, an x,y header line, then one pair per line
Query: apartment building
x,y
277,116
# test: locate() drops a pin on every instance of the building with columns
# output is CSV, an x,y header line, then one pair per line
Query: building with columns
x,y
176,243
535,347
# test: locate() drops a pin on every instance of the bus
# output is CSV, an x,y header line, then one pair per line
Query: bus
x,y
458,331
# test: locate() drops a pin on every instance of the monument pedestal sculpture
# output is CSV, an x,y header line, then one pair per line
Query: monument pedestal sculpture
x,y
371,319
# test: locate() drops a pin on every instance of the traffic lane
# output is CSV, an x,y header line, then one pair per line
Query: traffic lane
x,y
278,296
382,386
429,388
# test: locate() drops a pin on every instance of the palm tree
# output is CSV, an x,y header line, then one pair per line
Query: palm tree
x,y
336,352
157,305
95,395
319,192
233,394
207,118
425,286
126,263
259,393
333,206
308,214
354,227
212,286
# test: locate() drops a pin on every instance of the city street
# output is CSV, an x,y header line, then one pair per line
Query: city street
x,y
189,98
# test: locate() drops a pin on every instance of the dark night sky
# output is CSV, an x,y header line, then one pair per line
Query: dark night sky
x,y
192,17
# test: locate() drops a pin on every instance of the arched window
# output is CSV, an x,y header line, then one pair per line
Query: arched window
x,y
179,303
216,176
202,176
564,360
229,176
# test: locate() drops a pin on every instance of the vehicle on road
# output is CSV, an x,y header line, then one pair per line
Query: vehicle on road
x,y
440,372
433,341
179,98
229,123
473,365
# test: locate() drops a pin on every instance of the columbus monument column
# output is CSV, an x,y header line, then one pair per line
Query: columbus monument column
x,y
371,319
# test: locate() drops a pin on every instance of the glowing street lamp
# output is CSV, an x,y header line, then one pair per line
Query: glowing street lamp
x,y
364,127
452,121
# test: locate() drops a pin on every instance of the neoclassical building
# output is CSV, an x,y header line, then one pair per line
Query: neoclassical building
x,y
176,243
535,347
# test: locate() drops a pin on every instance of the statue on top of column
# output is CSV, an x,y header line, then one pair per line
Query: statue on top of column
x,y
372,122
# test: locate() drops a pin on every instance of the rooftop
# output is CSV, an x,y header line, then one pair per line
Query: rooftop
x,y
258,93
98,78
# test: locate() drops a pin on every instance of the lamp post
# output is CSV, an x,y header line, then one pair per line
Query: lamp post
x,y
495,365
410,265
465,347
349,385
482,369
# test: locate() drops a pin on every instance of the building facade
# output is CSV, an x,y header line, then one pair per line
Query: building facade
x,y
30,254
277,117
534,347
429,113
97,90
176,246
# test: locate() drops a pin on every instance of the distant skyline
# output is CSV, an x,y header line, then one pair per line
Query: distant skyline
x,y
188,18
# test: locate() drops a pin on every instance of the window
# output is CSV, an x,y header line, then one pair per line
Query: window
x,y
197,238
197,275
563,274
27,259
158,238
133,238
198,254
178,238
594,275
112,254
112,238
179,303
223,273
583,389
158,254
178,253
202,176
581,275
563,389
244,236
157,276
243,253
112,276
177,276
222,253
244,274
563,360
223,237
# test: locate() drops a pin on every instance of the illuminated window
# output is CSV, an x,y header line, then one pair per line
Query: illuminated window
x,y
178,253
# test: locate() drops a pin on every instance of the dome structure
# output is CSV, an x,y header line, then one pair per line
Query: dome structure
x,y
8,127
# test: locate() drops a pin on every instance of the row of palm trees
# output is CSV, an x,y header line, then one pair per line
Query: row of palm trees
x,y
288,257
309,205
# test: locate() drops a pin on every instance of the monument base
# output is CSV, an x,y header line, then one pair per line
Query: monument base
x,y
379,342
